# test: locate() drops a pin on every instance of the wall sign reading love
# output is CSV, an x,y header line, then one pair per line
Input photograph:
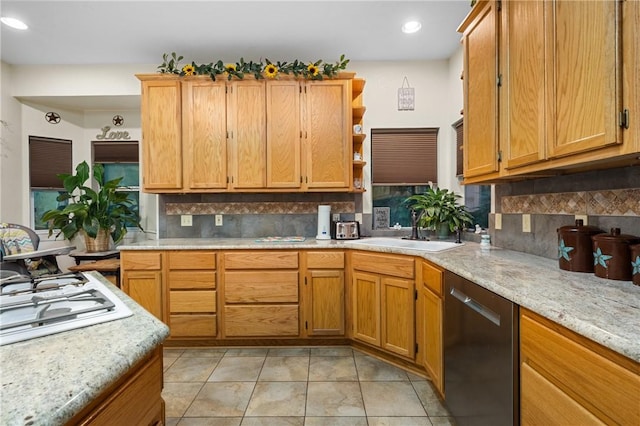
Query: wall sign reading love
x,y
108,134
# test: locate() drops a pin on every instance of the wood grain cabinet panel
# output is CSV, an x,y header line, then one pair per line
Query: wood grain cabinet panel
x,y
274,259
261,287
324,293
261,320
429,318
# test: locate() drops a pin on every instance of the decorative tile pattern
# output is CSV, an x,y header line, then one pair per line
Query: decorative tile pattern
x,y
256,208
617,202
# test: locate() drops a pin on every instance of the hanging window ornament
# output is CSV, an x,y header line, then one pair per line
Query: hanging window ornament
x,y
52,117
406,97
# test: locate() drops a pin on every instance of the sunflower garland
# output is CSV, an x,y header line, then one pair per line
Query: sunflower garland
x,y
311,71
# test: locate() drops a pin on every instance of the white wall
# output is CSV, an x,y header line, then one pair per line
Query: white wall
x,y
11,158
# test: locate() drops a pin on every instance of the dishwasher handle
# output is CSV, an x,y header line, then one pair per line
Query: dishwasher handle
x,y
476,306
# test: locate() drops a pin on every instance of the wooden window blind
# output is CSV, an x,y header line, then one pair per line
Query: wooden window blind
x,y
459,128
404,156
115,152
48,157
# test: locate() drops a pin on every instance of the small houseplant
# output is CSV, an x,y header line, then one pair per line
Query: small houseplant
x,y
438,209
97,215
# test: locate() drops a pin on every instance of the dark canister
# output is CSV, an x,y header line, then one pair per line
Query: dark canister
x,y
612,256
575,248
635,263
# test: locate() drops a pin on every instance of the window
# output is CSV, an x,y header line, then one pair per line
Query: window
x,y
48,157
120,159
403,163
477,198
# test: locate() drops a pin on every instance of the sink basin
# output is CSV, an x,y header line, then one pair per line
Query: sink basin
x,y
422,245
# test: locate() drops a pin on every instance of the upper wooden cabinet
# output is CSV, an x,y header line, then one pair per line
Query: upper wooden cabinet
x,y
161,135
562,72
247,135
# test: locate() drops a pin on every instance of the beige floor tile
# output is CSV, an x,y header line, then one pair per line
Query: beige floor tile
x,y
338,399
335,421
178,396
246,352
237,369
399,421
442,421
387,399
332,368
332,351
371,369
168,360
210,421
285,369
172,421
204,353
223,399
429,398
273,421
288,352
190,370
173,351
278,399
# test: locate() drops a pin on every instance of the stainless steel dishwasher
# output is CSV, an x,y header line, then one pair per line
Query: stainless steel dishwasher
x,y
480,355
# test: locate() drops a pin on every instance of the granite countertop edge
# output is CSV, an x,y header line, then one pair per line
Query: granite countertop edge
x,y
51,392
605,311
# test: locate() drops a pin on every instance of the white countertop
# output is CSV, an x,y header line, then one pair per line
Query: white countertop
x,y
605,311
46,381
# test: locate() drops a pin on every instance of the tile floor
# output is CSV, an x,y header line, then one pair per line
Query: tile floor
x,y
310,386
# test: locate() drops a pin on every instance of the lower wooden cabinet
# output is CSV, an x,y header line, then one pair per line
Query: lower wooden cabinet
x,y
135,400
191,279
261,294
324,293
383,310
141,279
430,323
566,378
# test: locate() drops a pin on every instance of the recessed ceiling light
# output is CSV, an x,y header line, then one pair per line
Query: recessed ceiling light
x,y
14,23
411,27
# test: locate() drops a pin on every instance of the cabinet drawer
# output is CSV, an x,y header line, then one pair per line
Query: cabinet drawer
x,y
261,260
188,259
386,264
432,277
192,280
261,287
192,301
325,259
264,320
591,374
141,260
194,326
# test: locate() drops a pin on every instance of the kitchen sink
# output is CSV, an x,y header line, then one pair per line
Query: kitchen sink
x,y
422,245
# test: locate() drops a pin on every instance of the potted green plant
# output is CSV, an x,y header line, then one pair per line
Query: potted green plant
x,y
438,209
97,215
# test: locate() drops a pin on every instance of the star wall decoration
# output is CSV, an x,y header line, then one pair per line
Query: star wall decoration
x,y
118,120
52,117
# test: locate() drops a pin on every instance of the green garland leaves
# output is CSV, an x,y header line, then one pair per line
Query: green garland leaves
x,y
312,71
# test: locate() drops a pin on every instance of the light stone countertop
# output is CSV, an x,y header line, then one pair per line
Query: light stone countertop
x,y
605,311
46,381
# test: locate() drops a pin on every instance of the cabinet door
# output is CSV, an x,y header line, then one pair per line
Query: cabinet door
x,y
247,134
145,287
398,316
324,302
283,134
366,307
327,128
432,352
523,83
205,134
161,135
480,56
583,46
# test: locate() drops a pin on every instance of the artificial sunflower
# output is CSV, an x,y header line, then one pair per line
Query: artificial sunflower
x,y
312,69
271,71
189,70
230,67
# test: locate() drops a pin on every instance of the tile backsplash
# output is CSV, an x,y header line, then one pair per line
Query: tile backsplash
x,y
609,199
251,215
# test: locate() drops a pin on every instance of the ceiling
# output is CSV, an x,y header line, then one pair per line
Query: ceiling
x,y
140,32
